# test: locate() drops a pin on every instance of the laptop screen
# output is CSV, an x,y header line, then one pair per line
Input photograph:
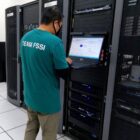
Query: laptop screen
x,y
86,47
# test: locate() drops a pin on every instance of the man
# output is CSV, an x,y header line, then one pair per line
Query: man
x,y
43,60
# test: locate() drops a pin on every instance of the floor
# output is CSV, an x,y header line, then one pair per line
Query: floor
x,y
13,120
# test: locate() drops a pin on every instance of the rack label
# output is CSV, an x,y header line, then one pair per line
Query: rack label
x,y
50,4
10,14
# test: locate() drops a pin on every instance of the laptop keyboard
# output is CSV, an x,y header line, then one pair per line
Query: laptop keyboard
x,y
82,65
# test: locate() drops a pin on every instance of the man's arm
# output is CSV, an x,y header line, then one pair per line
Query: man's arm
x,y
64,73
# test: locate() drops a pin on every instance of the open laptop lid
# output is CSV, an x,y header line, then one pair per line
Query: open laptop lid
x,y
86,48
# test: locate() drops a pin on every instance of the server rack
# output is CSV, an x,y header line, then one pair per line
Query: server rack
x,y
44,4
2,62
86,88
12,49
19,20
126,105
29,20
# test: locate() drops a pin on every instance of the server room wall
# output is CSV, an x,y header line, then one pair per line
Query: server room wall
x,y
3,5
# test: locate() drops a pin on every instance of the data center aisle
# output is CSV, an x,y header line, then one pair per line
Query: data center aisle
x,y
13,119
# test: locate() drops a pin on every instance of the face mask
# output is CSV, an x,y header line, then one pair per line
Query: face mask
x,y
59,31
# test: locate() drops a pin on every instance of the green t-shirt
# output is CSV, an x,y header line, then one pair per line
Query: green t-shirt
x,y
41,53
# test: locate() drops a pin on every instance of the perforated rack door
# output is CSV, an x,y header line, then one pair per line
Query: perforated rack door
x,y
11,53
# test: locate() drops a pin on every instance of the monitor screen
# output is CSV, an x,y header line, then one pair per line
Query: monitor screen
x,y
86,47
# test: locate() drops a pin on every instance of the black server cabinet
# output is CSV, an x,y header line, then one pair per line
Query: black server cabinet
x,y
29,20
125,122
12,48
44,4
2,62
86,88
19,20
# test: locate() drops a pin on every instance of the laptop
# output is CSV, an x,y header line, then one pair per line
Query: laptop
x,y
85,51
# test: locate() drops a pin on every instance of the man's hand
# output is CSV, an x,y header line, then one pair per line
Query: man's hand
x,y
69,60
